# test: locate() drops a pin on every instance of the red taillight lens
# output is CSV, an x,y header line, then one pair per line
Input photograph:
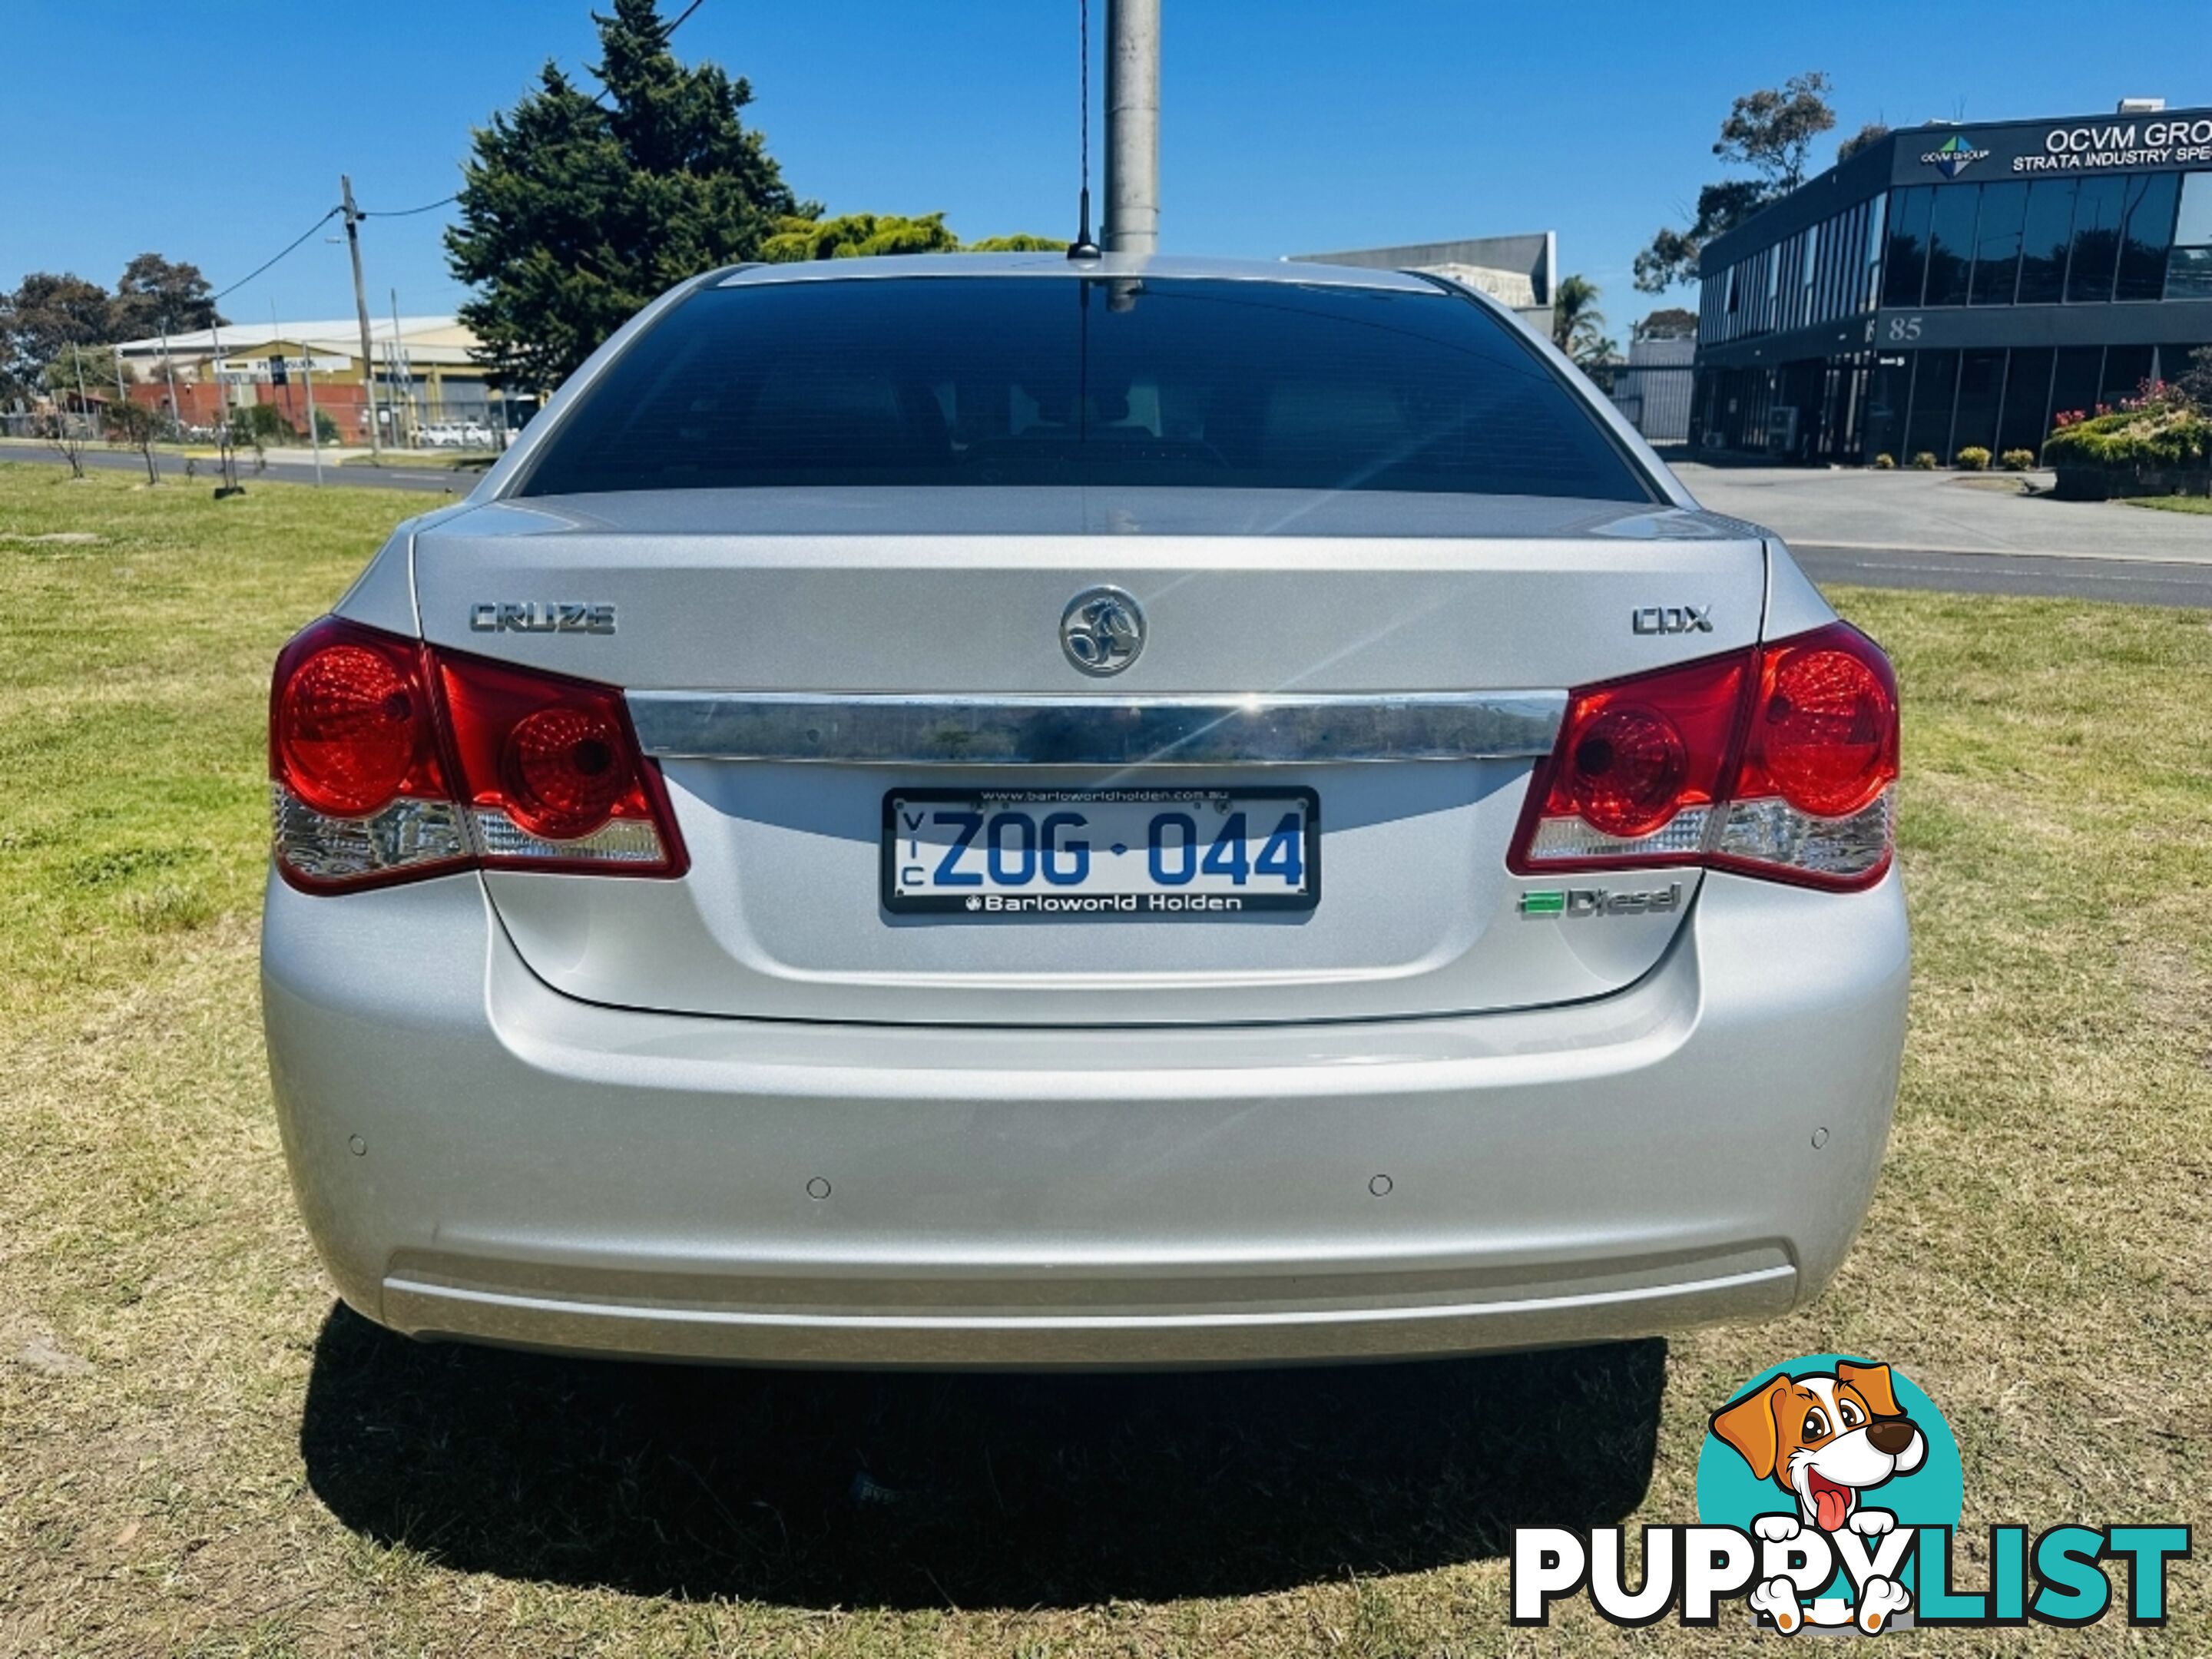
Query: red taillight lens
x,y
1634,753
1824,731
391,760
1777,761
1625,772
553,769
349,726
564,771
1637,769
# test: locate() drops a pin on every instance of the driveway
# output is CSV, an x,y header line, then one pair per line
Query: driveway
x,y
1944,512
1967,533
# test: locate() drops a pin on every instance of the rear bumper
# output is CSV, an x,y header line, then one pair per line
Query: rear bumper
x,y
479,1157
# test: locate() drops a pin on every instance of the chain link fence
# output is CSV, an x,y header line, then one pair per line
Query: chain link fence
x,y
421,422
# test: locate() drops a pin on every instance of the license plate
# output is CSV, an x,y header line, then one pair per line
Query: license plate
x,y
1101,854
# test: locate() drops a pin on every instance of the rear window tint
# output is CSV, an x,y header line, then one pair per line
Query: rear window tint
x,y
1112,381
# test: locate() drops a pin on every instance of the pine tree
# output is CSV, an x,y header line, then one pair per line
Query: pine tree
x,y
575,210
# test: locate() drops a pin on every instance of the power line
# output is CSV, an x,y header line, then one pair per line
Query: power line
x,y
404,213
288,247
683,17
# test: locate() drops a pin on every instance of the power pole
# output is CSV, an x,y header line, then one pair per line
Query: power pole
x,y
169,373
361,308
1133,126
403,374
314,437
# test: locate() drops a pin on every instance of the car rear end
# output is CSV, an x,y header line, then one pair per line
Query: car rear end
x,y
1141,814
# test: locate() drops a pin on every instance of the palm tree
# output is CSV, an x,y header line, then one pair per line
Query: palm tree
x,y
1575,312
1578,326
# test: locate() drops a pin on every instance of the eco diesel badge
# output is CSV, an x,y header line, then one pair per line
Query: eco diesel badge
x,y
1602,901
511,618
1673,619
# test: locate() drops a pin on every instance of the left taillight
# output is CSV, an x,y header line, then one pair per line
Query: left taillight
x,y
390,760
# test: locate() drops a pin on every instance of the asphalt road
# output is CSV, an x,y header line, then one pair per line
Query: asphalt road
x,y
434,480
2131,581
2043,575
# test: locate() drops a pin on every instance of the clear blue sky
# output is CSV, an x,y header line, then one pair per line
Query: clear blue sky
x,y
215,132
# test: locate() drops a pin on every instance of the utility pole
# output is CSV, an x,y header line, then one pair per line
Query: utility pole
x,y
315,438
1133,126
403,374
307,378
169,373
361,308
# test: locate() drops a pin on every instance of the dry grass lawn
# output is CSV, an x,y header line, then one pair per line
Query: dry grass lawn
x,y
200,1455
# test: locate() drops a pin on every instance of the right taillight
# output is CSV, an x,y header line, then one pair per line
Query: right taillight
x,y
391,760
1779,761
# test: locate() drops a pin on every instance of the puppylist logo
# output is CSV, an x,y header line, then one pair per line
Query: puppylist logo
x,y
1954,155
1829,1492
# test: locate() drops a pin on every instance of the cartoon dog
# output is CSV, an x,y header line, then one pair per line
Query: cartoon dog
x,y
1824,1439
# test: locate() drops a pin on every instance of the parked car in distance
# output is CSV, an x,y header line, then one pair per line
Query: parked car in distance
x,y
456,434
1007,811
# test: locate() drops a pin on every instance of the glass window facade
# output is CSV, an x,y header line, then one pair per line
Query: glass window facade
x,y
2074,382
1996,243
1905,266
1951,245
1981,386
2025,421
2126,368
2189,265
1935,383
2090,242
2146,234
1823,273
2042,240
2096,247
1943,401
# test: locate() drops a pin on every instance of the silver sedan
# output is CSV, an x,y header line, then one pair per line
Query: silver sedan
x,y
1021,812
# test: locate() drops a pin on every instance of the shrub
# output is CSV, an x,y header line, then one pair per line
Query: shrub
x,y
1885,463
259,425
2194,380
2017,460
2163,434
1974,458
1924,461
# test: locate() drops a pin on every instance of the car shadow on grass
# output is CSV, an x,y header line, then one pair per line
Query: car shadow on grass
x,y
904,1490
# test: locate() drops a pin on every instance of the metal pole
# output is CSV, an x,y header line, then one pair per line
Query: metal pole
x,y
400,368
307,374
226,445
169,373
1133,126
360,308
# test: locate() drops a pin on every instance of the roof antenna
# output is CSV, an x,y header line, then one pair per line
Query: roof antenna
x,y
1083,247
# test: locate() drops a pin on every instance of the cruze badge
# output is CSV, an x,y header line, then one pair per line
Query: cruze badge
x,y
1102,630
511,618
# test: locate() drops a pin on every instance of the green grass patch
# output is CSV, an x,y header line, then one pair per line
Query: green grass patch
x,y
432,460
199,1456
2172,503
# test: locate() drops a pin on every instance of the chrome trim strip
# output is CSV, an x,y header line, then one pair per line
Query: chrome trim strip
x,y
1277,729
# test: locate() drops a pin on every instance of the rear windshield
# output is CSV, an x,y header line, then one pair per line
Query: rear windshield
x,y
1115,381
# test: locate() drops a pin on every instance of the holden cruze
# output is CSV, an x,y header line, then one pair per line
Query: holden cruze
x,y
1117,812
